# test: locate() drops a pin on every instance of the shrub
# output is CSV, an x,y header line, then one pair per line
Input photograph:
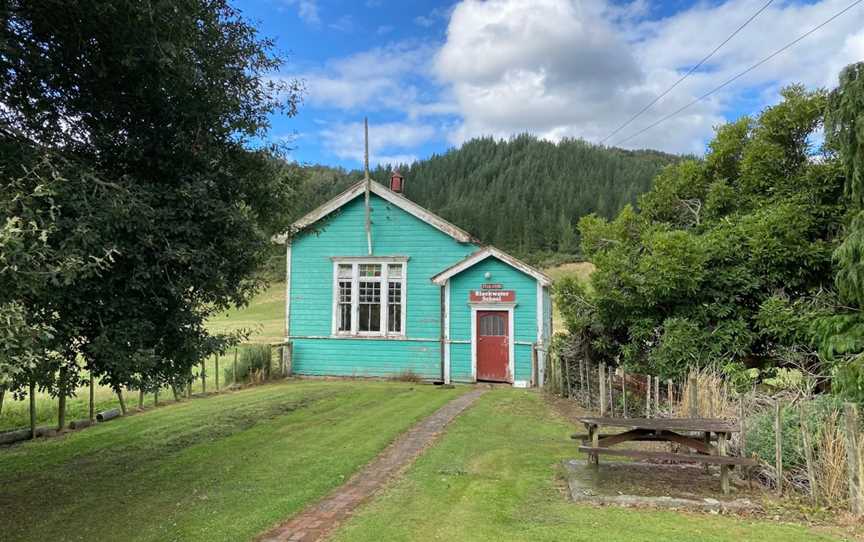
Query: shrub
x,y
760,430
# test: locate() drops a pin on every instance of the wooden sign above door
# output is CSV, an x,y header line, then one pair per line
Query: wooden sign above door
x,y
492,296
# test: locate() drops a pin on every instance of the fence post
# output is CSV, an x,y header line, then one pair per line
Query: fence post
x,y
610,388
778,445
624,390
648,397
694,397
853,457
656,395
234,372
601,378
808,453
217,372
670,396
588,402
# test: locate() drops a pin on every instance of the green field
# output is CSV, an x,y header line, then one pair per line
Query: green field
x,y
265,317
493,477
222,468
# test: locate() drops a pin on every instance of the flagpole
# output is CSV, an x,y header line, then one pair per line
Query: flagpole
x,y
368,183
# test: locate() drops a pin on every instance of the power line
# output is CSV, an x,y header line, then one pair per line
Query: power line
x,y
742,74
686,75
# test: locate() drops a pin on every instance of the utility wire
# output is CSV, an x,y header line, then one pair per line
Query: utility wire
x,y
741,74
686,75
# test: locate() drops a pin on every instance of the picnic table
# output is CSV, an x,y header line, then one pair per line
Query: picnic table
x,y
696,434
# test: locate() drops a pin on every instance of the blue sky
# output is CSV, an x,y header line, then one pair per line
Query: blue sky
x,y
430,75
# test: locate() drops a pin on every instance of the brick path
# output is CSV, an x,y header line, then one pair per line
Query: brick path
x,y
317,520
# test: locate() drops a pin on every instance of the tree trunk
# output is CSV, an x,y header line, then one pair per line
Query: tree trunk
x,y
174,391
61,400
32,397
92,399
140,398
2,396
119,393
203,377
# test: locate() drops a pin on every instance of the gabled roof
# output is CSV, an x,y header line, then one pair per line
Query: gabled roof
x,y
386,194
488,252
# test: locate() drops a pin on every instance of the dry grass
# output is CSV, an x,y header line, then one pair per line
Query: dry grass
x,y
713,397
830,463
408,376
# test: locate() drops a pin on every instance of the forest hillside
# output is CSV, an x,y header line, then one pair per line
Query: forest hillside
x,y
523,195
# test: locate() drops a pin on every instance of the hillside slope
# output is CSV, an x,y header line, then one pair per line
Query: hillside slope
x,y
523,195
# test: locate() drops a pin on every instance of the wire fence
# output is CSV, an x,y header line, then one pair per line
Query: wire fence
x,y
244,365
804,443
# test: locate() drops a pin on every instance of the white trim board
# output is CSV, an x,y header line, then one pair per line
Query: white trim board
x,y
490,252
386,194
509,308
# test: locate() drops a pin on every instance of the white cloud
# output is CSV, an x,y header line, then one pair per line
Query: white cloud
x,y
307,10
390,77
561,68
387,142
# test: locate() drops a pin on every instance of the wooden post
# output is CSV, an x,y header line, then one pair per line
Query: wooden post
x,y
32,397
808,453
694,397
234,373
853,458
741,425
610,387
656,395
778,445
217,372
648,397
92,399
724,469
601,379
670,396
588,385
624,390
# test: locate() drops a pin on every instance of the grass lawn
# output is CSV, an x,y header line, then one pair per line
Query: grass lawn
x,y
265,316
492,477
222,468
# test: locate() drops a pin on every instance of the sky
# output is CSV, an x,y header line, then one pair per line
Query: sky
x,y
430,75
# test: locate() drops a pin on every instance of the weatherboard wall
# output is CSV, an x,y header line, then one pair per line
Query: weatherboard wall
x,y
524,315
394,233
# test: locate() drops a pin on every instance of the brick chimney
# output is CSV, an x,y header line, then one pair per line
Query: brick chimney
x,y
397,182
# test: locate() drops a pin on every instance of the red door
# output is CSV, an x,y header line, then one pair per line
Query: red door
x,y
493,346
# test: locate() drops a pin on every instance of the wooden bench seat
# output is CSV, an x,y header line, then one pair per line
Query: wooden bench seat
x,y
666,456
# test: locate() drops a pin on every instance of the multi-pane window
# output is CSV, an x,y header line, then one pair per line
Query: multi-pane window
x,y
343,293
394,298
369,298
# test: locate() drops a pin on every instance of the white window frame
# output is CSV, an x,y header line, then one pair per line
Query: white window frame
x,y
384,280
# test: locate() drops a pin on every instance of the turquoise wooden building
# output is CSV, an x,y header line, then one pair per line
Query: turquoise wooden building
x,y
378,286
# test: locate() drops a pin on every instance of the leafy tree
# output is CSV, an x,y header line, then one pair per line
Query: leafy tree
x,y
841,335
166,102
699,275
